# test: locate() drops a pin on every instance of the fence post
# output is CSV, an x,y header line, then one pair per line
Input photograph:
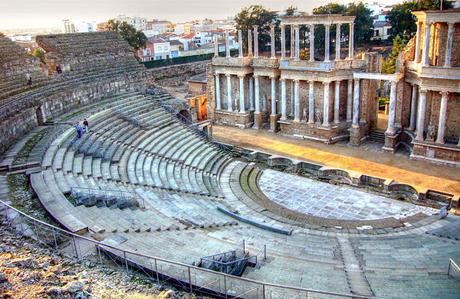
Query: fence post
x,y
99,254
263,291
55,241
156,271
190,279
225,286
75,247
244,246
126,262
265,252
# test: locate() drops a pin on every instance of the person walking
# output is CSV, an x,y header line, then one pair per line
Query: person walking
x,y
79,130
29,79
86,125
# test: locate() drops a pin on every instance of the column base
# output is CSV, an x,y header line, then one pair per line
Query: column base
x,y
356,135
274,127
258,120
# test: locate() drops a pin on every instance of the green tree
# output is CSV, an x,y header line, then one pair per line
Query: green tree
x,y
135,38
1,34
39,53
260,16
403,21
389,64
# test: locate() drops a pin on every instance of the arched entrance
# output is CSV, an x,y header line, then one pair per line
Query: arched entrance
x,y
185,115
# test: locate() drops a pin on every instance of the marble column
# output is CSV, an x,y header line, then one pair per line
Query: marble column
x,y
283,41
256,42
297,42
426,45
391,116
292,41
273,81
256,94
229,92
251,93
450,37
311,102
250,45
216,46
351,41
356,104
218,105
349,99
421,114
417,42
272,41
240,44
296,100
327,34
442,118
291,110
413,108
227,44
312,42
337,103
337,42
242,99
326,100
283,99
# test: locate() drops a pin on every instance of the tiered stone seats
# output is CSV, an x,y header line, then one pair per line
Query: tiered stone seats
x,y
15,64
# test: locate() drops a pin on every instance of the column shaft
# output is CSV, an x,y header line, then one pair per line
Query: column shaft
x,y
227,44
292,41
311,102
250,44
337,102
327,42
413,108
216,46
240,43
283,99
391,116
337,42
421,115
291,110
218,105
257,94
417,43
273,112
356,104
256,42
272,41
442,118
450,38
296,100
297,42
229,93
351,41
251,93
349,99
312,42
242,100
283,41
426,45
326,101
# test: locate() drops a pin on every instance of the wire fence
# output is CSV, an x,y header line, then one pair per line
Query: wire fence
x,y
162,271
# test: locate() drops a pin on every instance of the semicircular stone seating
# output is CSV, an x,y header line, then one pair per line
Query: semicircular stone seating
x,y
148,183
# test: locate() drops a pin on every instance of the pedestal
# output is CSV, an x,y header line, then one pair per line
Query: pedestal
x,y
258,120
274,122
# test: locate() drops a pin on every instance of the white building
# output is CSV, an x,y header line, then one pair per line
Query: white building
x,y
86,26
137,22
68,26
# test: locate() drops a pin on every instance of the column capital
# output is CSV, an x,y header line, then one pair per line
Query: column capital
x,y
228,75
327,25
444,93
216,73
241,76
311,81
423,90
255,27
325,82
272,26
296,80
450,24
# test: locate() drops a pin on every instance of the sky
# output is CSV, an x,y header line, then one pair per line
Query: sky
x,y
50,13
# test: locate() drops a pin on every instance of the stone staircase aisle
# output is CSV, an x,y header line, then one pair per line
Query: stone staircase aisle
x,y
355,276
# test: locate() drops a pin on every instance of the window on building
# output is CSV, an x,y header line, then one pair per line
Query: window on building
x,y
376,33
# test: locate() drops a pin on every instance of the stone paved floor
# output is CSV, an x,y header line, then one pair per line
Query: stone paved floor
x,y
331,201
364,159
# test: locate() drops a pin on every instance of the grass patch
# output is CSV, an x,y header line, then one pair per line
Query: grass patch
x,y
22,198
23,154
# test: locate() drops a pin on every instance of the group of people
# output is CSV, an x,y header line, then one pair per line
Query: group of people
x,y
79,128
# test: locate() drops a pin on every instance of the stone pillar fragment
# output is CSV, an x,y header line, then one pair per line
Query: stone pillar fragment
x,y
256,94
426,45
417,42
250,45
272,41
283,41
216,46
349,99
442,118
337,42
450,38
273,108
421,114
283,99
351,41
227,44
251,93
297,42
240,44
312,42
256,42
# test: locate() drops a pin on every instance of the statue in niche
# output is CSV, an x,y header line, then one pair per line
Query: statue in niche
x,y
431,132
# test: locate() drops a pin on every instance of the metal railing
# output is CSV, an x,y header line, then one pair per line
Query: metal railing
x,y
453,270
188,277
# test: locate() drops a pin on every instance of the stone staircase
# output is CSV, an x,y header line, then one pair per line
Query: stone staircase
x,y
377,136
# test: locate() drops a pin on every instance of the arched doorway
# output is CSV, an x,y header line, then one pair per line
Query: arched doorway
x,y
185,115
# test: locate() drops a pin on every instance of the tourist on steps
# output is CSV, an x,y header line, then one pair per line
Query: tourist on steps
x,y
79,130
29,79
85,124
